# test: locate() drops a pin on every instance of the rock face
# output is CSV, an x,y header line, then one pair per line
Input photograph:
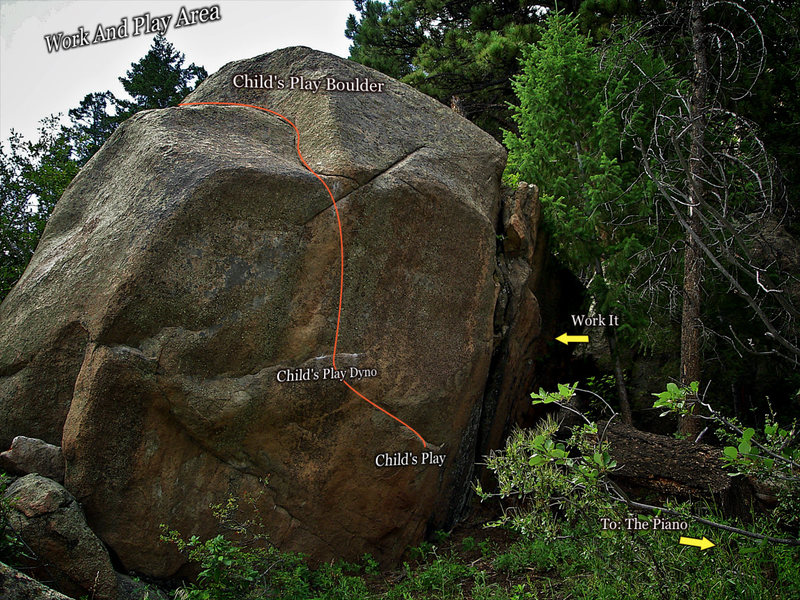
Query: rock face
x,y
18,586
534,297
518,317
29,455
193,267
51,523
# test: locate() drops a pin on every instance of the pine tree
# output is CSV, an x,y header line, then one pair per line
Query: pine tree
x,y
568,143
449,49
33,175
159,79
93,122
385,37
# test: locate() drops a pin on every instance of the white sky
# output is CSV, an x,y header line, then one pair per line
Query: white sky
x,y
35,84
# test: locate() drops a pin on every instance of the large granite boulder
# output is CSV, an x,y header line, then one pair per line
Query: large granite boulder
x,y
192,270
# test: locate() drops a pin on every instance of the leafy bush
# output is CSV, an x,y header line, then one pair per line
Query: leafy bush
x,y
242,566
10,545
560,491
769,456
246,566
556,484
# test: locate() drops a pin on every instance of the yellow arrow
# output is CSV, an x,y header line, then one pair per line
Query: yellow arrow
x,y
566,339
703,544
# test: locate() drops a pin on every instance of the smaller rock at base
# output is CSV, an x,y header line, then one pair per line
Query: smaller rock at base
x,y
17,586
50,521
31,455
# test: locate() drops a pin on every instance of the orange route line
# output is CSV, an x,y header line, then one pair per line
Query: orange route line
x,y
341,251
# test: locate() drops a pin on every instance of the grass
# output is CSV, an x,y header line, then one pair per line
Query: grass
x,y
479,563
474,563
612,566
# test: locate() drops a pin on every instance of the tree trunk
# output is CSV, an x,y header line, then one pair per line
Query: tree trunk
x,y
619,376
661,466
693,259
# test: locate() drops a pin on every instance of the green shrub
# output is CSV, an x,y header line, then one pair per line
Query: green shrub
x,y
11,548
561,489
